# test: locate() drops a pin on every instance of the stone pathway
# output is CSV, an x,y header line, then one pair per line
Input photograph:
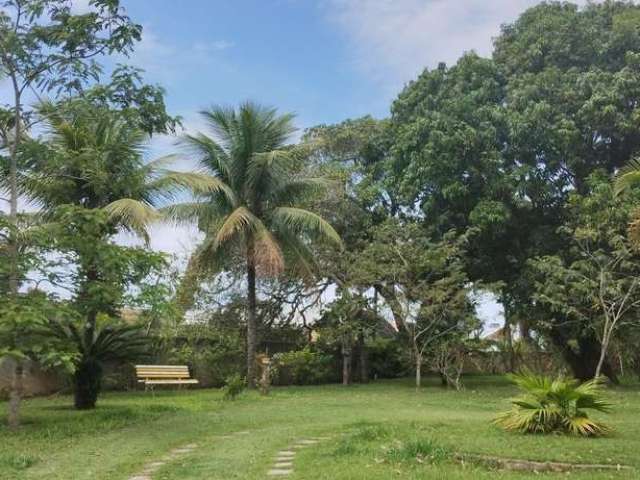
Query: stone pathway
x,y
152,467
283,463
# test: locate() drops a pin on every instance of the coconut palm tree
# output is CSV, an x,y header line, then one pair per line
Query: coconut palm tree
x,y
254,213
92,159
627,178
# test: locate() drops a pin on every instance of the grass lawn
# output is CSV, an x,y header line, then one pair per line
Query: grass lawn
x,y
375,432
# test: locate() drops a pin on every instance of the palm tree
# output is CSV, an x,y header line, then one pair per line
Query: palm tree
x,y
93,160
254,212
627,178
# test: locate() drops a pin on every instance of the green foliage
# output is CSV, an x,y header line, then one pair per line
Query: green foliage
x,y
142,105
557,405
214,353
234,386
92,157
25,333
387,358
421,450
594,284
55,50
302,367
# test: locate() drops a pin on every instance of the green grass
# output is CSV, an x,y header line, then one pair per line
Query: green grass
x,y
379,431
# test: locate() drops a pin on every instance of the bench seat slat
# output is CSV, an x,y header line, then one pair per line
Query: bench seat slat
x,y
163,372
169,382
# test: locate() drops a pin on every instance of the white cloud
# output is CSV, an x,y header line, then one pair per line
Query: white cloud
x,y
393,40
169,62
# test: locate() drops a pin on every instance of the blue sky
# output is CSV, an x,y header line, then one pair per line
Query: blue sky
x,y
326,60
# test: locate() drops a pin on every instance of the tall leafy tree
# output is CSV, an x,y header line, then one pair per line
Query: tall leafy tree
x,y
253,213
494,147
91,160
593,284
572,101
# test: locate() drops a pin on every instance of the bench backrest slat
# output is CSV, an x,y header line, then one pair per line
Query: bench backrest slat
x,y
162,371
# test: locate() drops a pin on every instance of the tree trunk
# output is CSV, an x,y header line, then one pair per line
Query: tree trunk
x,y
510,364
87,378
604,347
583,361
418,370
394,305
346,361
88,383
251,317
15,396
13,189
364,367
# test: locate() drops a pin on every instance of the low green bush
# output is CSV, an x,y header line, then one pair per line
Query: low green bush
x,y
387,358
302,367
234,386
422,450
555,405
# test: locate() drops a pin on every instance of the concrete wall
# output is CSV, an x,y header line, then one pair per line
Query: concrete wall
x,y
36,380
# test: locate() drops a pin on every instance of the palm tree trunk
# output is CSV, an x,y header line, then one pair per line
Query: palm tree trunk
x,y
251,316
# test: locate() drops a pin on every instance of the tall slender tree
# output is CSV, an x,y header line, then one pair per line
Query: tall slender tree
x,y
254,212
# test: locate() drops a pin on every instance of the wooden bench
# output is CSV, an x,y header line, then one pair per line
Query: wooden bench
x,y
152,375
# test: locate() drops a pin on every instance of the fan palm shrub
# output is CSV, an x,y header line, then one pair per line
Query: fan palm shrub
x,y
110,341
254,213
557,405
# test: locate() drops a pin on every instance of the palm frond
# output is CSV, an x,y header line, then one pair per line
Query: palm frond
x,y
171,183
269,257
132,215
554,405
210,155
240,221
628,177
292,190
304,221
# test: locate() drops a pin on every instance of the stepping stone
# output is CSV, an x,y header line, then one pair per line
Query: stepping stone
x,y
277,472
284,459
283,465
182,450
245,432
307,442
284,453
140,477
156,465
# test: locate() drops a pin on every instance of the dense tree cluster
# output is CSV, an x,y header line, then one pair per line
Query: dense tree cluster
x,y
365,246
